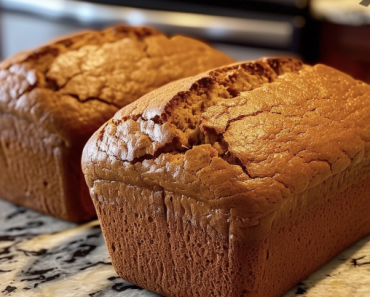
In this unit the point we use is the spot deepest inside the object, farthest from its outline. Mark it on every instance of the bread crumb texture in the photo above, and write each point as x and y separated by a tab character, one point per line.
239	140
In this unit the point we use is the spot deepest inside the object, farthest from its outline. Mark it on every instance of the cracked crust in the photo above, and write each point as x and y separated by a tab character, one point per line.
101	71
68	89
242	138
240	181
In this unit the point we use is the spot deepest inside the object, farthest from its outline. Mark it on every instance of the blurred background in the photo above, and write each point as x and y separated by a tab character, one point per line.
334	32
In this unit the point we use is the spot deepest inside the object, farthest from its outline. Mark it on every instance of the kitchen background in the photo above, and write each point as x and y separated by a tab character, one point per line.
43	256
334	32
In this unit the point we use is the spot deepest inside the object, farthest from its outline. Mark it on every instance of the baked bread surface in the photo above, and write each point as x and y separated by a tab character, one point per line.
237	182
53	98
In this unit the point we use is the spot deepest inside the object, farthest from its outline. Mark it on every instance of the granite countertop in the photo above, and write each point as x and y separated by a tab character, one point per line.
43	256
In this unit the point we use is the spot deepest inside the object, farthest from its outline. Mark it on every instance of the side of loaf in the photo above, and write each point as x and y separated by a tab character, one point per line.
240	181
54	98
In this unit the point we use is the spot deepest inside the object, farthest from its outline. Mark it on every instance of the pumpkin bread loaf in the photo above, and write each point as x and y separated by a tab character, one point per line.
240	181
53	98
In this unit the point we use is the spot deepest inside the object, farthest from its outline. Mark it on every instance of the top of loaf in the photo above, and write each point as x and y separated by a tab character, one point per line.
72	85
240	138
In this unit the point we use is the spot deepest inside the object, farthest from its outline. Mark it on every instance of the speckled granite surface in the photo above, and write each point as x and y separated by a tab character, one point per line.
43	256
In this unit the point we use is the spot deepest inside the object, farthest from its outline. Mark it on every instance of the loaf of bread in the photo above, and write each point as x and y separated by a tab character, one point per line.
237	182
52	100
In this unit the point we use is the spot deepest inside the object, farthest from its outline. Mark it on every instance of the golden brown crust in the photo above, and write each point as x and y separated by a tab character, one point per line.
104	70
156	238
68	89
240	181
75	41
273	137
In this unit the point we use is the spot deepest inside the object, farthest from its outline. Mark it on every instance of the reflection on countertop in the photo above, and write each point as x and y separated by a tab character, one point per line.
43	256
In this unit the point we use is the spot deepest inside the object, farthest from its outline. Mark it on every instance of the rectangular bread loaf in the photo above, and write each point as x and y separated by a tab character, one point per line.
53	98
240	181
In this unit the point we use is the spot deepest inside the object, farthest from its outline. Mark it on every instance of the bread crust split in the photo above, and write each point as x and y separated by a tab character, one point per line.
240	181
55	97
